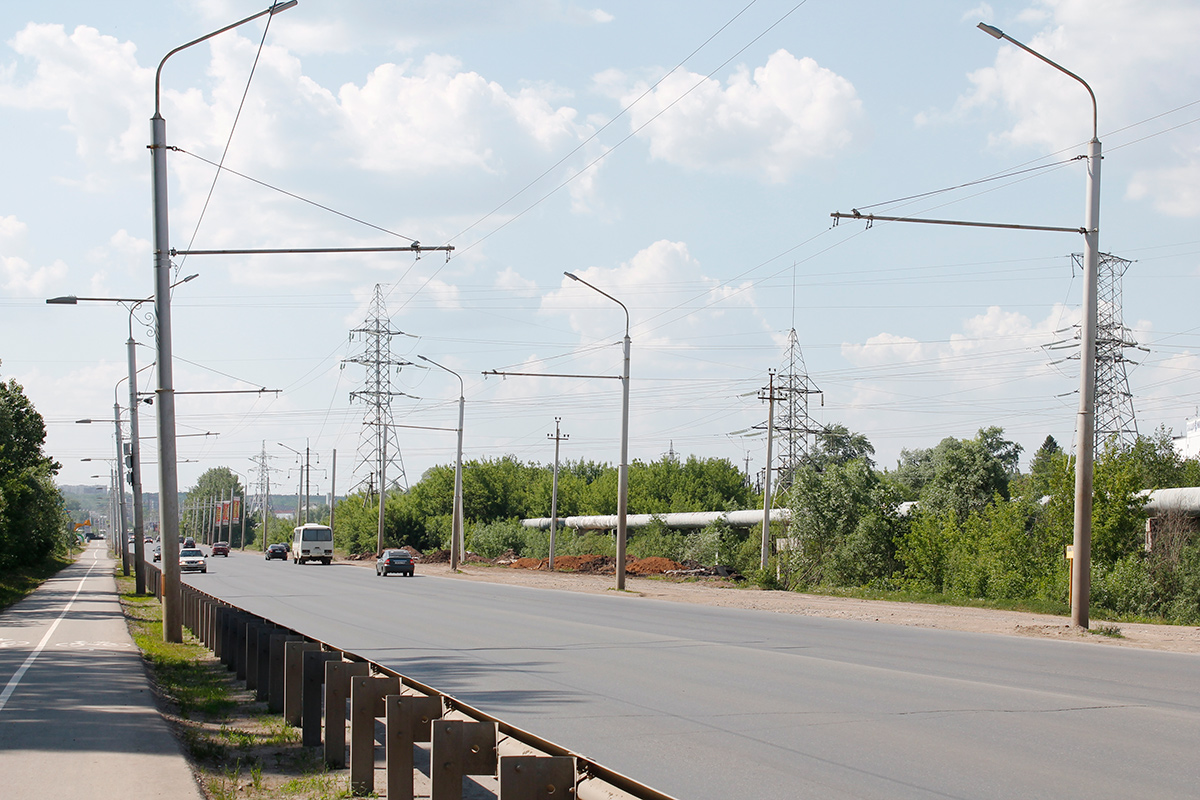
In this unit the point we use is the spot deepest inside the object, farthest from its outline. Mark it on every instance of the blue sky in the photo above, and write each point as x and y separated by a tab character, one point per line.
684	157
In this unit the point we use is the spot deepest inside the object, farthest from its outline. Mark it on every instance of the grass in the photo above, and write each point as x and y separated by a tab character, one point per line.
20	582
1111	631
1031	605
239	749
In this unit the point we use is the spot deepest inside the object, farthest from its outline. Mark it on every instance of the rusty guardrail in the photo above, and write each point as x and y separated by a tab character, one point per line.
311	682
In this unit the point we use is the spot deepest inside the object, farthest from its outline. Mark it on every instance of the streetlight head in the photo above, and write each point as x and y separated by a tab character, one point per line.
84	421
195	275
994	32
571	276
66	300
275	9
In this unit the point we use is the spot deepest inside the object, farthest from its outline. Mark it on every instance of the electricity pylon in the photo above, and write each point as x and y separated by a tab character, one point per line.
380	463
795	428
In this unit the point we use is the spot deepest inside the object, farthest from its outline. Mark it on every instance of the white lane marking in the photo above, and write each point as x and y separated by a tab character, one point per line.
81	645
12	642
20	673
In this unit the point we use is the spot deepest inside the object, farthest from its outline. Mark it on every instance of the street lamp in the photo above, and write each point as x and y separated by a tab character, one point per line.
456	530
1081	562
623	470
168	473
135	460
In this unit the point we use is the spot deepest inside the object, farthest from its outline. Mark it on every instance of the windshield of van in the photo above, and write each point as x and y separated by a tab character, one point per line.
318	535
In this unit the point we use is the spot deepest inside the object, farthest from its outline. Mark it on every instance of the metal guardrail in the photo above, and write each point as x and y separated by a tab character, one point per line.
272	659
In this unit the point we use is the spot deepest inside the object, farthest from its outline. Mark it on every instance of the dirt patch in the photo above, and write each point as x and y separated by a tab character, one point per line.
652	566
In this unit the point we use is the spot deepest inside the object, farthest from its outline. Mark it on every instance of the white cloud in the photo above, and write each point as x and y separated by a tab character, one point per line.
771	122
1137	57
94	78
433	117
1174	191
982	13
17	276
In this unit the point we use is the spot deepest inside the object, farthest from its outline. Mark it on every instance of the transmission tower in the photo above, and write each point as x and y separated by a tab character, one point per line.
1115	420
261	499
379	447
793	425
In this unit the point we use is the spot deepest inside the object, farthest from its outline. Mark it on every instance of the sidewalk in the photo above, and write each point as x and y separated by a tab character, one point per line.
77	717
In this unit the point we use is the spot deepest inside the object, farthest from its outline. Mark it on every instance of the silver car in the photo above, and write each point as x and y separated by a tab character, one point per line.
191	559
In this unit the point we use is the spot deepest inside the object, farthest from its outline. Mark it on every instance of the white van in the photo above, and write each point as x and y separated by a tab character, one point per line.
312	542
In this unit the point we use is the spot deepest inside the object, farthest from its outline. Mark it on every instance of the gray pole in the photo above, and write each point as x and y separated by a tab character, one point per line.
456	530
766	524
121	489
1081	563
554	494
383	491
307	481
623	477
168	474
266	506
623	470
332	488
135	468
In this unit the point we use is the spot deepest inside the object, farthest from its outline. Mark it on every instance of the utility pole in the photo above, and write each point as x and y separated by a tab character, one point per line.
121	491
766	523
558	438
332	488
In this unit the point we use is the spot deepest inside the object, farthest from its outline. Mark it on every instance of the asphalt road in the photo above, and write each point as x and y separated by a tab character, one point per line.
704	702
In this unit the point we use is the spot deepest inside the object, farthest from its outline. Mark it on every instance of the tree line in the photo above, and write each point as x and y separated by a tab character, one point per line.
34	523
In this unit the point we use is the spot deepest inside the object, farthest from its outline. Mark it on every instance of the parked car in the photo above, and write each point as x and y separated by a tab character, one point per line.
279	551
220	549
394	561
191	559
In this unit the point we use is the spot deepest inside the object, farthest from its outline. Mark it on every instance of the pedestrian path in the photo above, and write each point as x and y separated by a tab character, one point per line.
77	716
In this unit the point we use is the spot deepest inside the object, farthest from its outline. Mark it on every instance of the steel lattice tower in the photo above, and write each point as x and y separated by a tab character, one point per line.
379	447
261	499
793	425
1115	420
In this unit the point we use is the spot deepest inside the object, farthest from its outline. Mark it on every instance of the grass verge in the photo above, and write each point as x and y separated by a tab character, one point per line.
236	747
16	584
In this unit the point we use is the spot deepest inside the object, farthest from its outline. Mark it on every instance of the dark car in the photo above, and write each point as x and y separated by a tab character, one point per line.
279	551
157	553
220	549
394	561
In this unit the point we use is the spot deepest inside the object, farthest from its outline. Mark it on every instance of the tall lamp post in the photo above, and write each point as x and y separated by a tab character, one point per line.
1081	562
135	459
168	475
623	470
456	530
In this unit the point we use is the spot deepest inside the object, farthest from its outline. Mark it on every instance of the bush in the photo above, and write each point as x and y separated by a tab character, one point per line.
492	539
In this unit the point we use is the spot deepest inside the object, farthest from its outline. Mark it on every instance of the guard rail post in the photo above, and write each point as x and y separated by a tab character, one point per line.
275	683
536	777
293	683
312	675
366	703
337	692
460	749
408	720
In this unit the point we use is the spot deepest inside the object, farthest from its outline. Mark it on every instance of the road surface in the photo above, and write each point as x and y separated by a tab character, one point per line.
703	702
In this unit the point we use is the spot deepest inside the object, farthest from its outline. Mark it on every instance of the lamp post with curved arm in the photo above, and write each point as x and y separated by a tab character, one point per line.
1081	561
134	461
457	545
623	470
168	476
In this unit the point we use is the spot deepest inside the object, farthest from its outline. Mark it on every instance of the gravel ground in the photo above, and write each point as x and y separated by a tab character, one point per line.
1174	638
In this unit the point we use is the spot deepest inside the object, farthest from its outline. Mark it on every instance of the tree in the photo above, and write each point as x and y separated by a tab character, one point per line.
33	518
213	486
967	474
837	445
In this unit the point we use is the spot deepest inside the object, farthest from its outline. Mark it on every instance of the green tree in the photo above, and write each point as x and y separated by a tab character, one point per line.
33	518
212	487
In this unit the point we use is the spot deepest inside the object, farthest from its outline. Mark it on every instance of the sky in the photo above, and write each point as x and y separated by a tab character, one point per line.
684	157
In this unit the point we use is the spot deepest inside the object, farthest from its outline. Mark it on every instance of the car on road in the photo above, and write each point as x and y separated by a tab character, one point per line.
191	559
277	550
157	553
394	561
220	549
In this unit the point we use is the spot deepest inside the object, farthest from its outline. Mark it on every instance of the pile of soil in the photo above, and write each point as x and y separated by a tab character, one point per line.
655	565
436	557
585	564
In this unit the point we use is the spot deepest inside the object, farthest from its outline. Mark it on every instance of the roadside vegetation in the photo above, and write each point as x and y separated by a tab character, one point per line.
957	523
236	746
36	533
